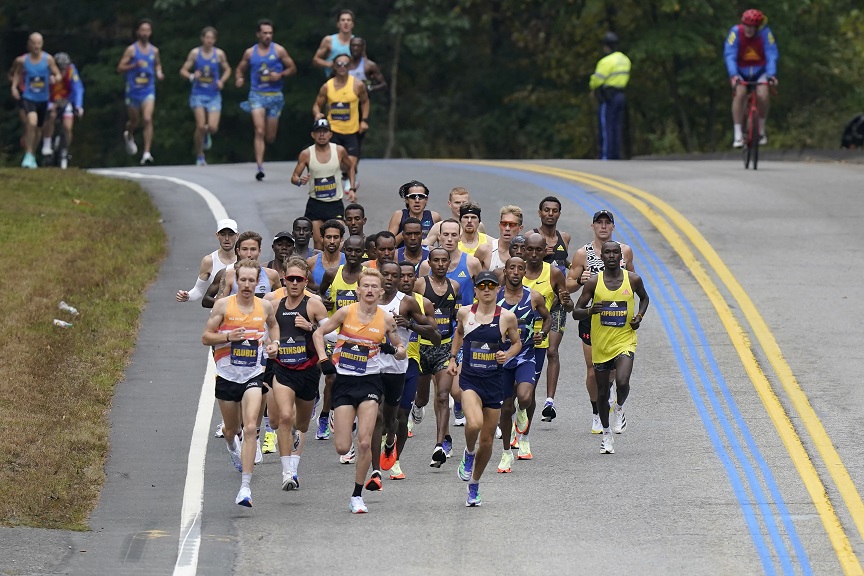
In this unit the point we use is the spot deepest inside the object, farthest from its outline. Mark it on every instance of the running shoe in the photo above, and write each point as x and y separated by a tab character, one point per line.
410	428
396	472
439	457
46	149
296	444
506	462
356	505
417	413
374	483
259	175
514	438
498	433
738	142
64	162
466	466
606	444
473	495
619	422
596	425
29	161
350	457
208	141
448	445
323	432
458	414
244	497
290	481
521	421
200	161
388	456
259	457
524	452
763	139
219	433
269	444
235	457
548	413
131	147
146	159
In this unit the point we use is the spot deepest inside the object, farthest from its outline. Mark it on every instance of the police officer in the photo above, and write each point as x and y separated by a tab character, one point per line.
607	84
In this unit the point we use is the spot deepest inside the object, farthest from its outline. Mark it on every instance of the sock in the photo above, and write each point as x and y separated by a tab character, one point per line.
550	400
471	452
46	142
267	427
358	490
286	464
738	133
245	480
294	463
594	409
260	167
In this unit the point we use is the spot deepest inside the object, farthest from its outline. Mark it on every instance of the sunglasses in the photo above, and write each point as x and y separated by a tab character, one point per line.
486	286
508	224
341	64
416	196
296	279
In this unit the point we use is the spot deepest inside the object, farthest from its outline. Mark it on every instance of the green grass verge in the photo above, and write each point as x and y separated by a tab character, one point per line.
97	244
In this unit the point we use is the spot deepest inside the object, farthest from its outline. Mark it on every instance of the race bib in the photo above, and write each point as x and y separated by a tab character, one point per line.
324	187
353	358
614	314
483	355
345	298
444	321
244	353
292	351
37	84
340	111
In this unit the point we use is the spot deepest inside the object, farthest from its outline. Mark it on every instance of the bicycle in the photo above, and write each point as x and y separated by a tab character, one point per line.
752	133
59	148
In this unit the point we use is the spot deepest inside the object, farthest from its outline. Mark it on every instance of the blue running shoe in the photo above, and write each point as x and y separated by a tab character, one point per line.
473	495
323	430
466	467
208	141
458	414
448	445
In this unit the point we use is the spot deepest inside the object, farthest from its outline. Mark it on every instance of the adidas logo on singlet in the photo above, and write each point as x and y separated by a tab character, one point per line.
289	340
349	293
484	347
437	311
355	348
625	292
449	297
461	275
613	305
245	343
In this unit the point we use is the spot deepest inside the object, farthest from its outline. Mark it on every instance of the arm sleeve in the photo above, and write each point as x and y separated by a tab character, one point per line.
199	290
77	89
771	52
730	52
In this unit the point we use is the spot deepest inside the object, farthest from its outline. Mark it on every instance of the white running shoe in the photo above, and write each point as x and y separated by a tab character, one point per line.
738	142
356	505
146	159
606	444
131	147
763	139
498	432
417	413
349	458
46	149
64	163
235	457
619	423
596	425
244	497
219	433
289	481
259	456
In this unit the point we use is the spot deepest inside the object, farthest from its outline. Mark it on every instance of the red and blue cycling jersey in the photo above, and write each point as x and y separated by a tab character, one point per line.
69	88
749	58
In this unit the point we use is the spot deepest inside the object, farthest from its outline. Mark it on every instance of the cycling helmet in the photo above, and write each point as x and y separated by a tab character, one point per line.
752	17
63	60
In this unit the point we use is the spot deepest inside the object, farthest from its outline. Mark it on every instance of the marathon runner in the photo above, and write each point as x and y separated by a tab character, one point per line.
416	197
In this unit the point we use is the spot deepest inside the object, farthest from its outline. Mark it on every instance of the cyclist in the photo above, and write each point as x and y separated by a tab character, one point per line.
751	56
67	98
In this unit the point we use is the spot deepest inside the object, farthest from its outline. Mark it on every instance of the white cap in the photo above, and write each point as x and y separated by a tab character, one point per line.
226	223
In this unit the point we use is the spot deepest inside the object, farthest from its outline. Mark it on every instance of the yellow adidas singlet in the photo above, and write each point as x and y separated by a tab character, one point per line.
611	334
481	239
543	285
343	113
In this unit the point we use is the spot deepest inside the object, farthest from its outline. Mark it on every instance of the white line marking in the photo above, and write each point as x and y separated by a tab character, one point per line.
193	492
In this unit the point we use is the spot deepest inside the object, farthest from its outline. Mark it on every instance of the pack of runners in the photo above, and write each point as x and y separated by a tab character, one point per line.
429	305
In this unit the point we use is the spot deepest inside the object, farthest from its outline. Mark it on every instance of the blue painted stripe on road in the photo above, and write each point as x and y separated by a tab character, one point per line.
580	197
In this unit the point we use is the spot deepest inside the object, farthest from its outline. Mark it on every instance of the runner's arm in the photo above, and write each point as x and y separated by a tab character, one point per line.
639	289
365	106
158	64
421	323
373	72
627	254
432	236
212	293
393	225
271	347
456	341
323	50
287	62
240	72
581	311
55	71
186	70
201	283
15	78
560	287
320	103
329	325
576	276
212	336
395	341
298	178
324	288
346	165
127	62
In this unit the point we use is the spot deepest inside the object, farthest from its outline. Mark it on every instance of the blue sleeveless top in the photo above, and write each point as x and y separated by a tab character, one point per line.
525	316
479	348
262	288
36	79
208	84
140	80
400	255
336	49
319	270
426	221
266	71
466	282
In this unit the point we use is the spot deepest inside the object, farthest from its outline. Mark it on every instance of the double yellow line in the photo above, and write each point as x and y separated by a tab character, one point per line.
651	207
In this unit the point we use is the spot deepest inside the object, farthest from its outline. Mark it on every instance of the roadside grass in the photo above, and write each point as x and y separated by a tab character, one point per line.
96	243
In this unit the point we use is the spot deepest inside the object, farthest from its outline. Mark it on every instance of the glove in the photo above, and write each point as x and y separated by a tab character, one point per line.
734	81
387	348
327	367
772	80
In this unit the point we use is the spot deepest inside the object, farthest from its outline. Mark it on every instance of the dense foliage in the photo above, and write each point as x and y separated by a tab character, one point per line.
474	78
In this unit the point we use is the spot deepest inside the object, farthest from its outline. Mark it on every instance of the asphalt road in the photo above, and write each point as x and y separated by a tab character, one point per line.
701	483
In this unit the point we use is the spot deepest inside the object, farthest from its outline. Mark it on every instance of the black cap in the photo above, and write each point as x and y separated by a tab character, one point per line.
486	276
610	39
321	124
284	234
600	213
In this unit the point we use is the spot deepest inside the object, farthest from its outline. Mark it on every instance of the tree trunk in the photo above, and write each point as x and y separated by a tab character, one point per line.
391	115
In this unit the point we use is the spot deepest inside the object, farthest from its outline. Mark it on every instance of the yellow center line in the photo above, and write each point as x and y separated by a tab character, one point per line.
782	423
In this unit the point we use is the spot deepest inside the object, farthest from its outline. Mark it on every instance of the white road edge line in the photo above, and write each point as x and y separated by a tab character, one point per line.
193	492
